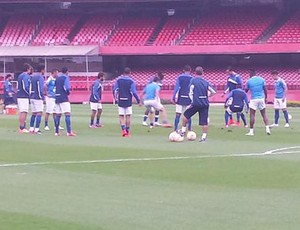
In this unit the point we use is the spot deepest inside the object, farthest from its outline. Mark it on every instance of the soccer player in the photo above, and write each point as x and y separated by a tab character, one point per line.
232	81
198	93
123	90
8	91
95	101
37	99
160	75
236	102
62	86
152	100
280	99
181	95
257	87
50	98
23	97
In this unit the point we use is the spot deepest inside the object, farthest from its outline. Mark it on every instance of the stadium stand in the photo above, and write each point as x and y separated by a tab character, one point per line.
227	26
289	32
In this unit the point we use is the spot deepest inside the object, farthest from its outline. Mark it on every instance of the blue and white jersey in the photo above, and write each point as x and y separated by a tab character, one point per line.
232	81
150	91
238	98
280	88
8	89
96	93
37	86
23	85
256	85
123	90
198	94
181	90
62	86
50	83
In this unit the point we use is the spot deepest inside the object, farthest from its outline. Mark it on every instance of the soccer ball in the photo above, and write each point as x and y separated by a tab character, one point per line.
290	116
174	136
180	139
191	136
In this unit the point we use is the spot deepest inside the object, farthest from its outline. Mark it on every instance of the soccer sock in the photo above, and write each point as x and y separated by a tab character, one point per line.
46	123
32	120
127	129
243	118
267	129
190	124
57	123
230	116
38	121
204	135
98	121
68	123
251	131
22	127
156	116
176	122
227	115
238	116
276	116
123	127
183	129
145	118
286	116
92	121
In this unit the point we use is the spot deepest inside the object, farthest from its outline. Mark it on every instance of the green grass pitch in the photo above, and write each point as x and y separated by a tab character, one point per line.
211	189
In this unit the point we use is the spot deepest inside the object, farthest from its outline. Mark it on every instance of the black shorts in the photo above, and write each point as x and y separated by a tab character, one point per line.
9	101
236	109
201	110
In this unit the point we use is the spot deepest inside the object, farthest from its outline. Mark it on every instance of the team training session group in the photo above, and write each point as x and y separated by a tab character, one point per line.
191	96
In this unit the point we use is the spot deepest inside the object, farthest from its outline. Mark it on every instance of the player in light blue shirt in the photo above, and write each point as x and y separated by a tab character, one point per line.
280	99
257	87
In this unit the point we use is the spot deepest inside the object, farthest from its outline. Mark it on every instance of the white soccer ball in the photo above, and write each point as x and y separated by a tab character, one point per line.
290	116
174	136
191	136
180	139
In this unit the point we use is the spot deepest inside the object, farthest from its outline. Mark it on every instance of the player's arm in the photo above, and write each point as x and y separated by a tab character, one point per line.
246	102
26	84
67	85
265	92
227	98
226	89
115	91
41	87
176	89
95	91
285	88
212	90
134	92
247	87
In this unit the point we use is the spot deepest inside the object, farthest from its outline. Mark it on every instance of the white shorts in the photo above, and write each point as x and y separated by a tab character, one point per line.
23	105
36	105
125	111
180	108
153	104
279	104
95	106
257	104
64	107
50	105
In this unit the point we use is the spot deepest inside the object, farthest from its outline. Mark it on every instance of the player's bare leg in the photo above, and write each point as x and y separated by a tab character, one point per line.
98	123
164	118
127	122
47	115
22	123
123	125
146	114
252	121
266	120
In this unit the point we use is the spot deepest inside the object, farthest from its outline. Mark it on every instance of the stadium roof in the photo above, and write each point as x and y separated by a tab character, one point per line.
49	51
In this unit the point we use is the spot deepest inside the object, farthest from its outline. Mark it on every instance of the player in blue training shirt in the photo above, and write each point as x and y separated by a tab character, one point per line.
23	97
123	90
95	101
152	101
199	89
257	87
160	75
280	99
181	95
37	99
236	102
62	104
8	91
232	81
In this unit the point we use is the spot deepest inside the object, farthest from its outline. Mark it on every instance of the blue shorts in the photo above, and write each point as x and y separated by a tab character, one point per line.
201	110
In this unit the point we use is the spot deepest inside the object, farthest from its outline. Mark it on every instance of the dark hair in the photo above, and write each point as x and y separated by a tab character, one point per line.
26	67
40	68
161	75
64	69
156	79
199	70
229	68
127	70
274	72
100	75
238	85
187	68
8	75
252	72
54	70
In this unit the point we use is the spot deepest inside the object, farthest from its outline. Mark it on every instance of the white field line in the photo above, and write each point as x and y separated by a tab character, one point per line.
271	152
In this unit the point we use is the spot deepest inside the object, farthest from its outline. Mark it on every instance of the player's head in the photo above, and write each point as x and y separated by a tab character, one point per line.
64	70
229	70
127	71
156	79
41	69
252	72
160	75
27	68
100	76
199	71
274	74
238	86
187	69
8	77
54	72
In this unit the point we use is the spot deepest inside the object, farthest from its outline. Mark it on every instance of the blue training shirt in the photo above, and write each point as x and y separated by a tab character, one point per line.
150	91
8	88
239	98
23	85
62	86
36	87
181	90
232	81
96	93
256	86
280	88
50	83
